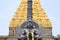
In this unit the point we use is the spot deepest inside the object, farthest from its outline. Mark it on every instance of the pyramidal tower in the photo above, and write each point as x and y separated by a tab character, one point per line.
38	14
27	10
30	19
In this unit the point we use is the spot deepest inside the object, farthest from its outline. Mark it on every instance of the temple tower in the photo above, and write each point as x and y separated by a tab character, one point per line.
38	15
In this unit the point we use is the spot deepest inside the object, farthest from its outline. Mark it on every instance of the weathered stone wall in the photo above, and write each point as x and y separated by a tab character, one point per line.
3	37
12	35
48	34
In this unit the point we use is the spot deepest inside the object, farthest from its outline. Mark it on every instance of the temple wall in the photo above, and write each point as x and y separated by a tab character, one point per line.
12	36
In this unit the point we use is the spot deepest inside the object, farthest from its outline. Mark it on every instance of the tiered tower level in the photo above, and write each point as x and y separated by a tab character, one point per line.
38	14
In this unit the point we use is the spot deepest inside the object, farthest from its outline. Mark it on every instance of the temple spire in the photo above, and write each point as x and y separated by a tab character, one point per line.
36	13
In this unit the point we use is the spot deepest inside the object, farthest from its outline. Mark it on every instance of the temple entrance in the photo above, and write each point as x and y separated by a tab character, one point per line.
30	36
29	30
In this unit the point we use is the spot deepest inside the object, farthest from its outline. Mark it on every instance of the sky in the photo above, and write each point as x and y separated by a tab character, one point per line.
8	8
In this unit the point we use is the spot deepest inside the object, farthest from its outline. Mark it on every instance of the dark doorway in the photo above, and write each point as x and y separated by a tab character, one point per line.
30	36
40	39
19	39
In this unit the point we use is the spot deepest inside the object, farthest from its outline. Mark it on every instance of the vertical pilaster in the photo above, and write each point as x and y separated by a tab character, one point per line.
29	10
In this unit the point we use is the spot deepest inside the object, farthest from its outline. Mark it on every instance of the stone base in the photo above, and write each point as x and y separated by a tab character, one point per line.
12	36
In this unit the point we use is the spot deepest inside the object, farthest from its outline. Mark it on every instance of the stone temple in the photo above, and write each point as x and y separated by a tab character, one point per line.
30	22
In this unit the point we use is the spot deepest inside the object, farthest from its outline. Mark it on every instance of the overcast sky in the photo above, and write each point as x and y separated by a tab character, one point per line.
8	7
